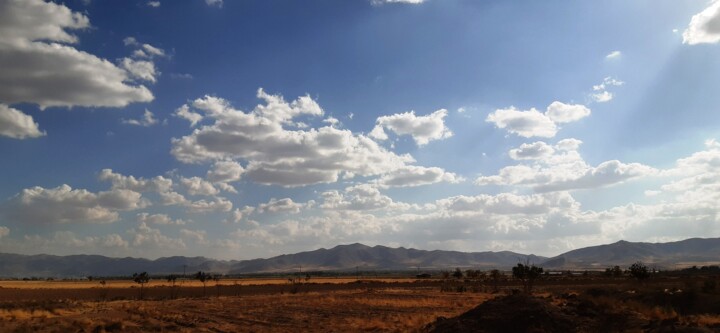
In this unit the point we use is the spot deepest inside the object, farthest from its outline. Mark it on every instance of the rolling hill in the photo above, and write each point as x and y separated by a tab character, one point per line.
695	251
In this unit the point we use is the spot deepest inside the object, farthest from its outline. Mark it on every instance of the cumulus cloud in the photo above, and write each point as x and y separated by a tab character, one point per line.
423	129
154	4
198	236
148	237
216	204
69	241
523	123
17	125
140	69
533	123
561	168
185	113
280	156
360	197
158	184
147	120
198	186
40	66
238	214
162	219
411	175
225	172
704	27
562	113
285	205
63	204
532	151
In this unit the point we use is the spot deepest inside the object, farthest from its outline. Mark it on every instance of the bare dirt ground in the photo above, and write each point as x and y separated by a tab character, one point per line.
392	305
321	307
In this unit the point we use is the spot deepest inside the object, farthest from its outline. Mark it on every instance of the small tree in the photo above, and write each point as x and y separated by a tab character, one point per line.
141	279
172	278
495	276
216	278
458	274
103	290
527	274
614	271
202	277
639	271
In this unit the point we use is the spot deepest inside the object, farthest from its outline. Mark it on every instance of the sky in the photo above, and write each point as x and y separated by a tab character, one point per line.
244	129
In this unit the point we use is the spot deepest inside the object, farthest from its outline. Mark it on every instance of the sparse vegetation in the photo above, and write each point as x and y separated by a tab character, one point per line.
639	271
666	302
202	277
141	279
527	273
172	278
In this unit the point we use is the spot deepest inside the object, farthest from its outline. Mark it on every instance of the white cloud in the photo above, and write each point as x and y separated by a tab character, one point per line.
69	241
285	205
162	219
225	172
130	41
198	186
158	184
154	4
562	170
423	129
40	67
600	93
523	123
613	55
704	27
152	238
4	231
153	51
140	69
562	113
226	187
361	197
532	151
217	204
238	214
279	156
217	3
198	236
185	113
62	204
171	198
17	125
382	2
146	121
411	175
533	123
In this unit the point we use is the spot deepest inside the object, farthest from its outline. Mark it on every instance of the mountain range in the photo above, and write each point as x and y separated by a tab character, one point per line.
694	251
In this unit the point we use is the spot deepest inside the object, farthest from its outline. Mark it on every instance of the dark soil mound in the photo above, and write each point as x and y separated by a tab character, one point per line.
514	313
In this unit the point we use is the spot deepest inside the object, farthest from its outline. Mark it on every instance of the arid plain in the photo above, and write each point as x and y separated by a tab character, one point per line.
591	303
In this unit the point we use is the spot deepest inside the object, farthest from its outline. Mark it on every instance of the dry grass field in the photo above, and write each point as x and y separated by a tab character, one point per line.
316	307
347	305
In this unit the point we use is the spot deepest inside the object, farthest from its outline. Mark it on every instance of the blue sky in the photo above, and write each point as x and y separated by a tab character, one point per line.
243	129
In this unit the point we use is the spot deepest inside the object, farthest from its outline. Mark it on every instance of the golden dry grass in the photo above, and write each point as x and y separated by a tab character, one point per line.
181	282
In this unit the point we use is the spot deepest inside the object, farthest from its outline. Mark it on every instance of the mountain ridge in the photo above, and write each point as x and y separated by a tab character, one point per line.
349	257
